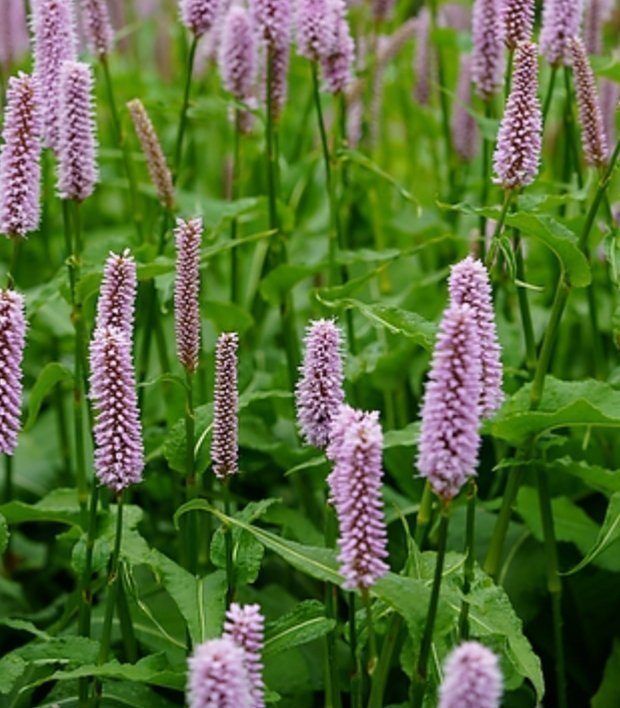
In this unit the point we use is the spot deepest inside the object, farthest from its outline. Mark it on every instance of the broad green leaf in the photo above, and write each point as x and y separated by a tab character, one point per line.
594	476
608	534
307	621
51	375
59	505
606	66
564	404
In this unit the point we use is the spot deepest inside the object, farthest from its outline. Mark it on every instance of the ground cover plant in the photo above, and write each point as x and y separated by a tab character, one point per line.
309	330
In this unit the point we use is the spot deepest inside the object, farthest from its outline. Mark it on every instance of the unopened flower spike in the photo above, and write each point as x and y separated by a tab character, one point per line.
12	343
224	444
188	235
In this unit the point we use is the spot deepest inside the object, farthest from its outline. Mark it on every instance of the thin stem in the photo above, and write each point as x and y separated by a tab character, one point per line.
420	675
524	305
234	192
379	678
356	675
73	245
10	276
484	188
124	618
333	238
86	599
468	574
228	546
106	632
372	641
271	150
178	150
554	583
549	96
190	535
8	478
423	518
508	195
569	127
332	689
136	213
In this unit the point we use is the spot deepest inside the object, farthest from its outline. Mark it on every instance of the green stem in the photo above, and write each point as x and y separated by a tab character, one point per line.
484	188
554	583
73	246
468	575
420	675
10	276
372	641
356	675
8	478
333	240
549	96
234	192
499	226
190	536
86	599
136	213
332	689
524	306
569	126
124	618
271	152
379	678
228	546
424	514
178	150
106	632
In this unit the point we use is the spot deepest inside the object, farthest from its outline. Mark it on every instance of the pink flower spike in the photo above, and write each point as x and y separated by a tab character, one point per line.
224	443
20	168
518	21
470	285
12	343
337	61
355	490
218	677
14	40
237	54
187	292
449	437
99	30
54	43
472	678
246	627
199	16
560	23
117	297
319	392
488	50
465	135
119	453
77	142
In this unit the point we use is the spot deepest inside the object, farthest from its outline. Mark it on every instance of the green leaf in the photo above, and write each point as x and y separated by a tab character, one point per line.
608	693
60	506
594	476
52	374
564	404
558	238
394	319
304	623
227	316
608	534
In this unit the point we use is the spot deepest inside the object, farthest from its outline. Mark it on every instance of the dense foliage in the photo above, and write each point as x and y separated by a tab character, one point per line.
349	199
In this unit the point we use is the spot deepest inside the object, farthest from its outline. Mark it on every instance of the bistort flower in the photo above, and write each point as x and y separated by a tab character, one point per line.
117	296
488	50
472	678
12	343
355	490
77	142
224	444
517	154
99	30
449	437
470	285
560	23
187	292
319	393
218	677
20	167
246	627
